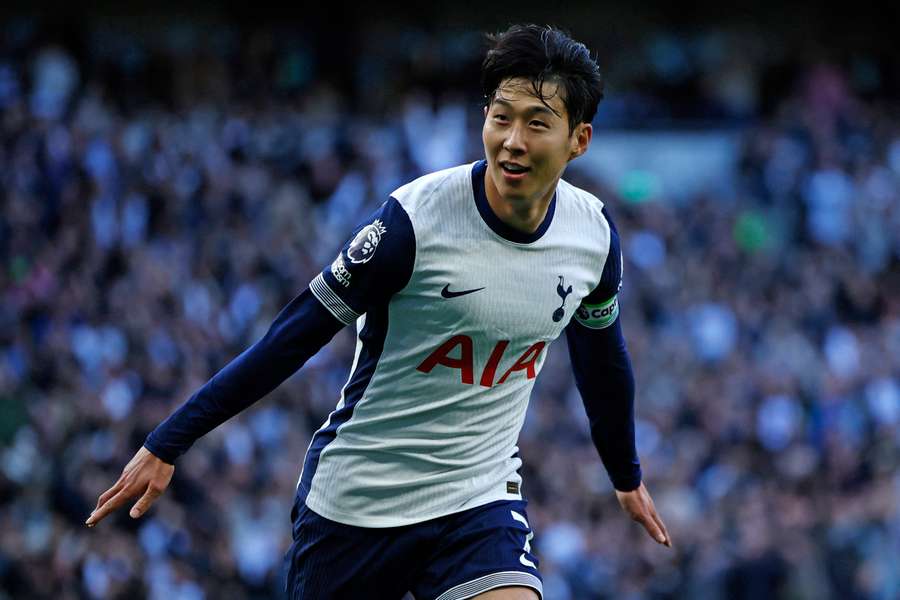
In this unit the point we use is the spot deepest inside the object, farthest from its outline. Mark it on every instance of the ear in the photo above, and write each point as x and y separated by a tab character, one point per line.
485	111
580	140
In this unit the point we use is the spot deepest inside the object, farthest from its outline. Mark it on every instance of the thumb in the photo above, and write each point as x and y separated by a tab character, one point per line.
141	506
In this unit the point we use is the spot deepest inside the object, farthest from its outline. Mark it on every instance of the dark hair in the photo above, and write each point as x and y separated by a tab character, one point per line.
544	54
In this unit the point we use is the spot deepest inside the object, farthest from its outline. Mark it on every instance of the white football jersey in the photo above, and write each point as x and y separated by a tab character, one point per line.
454	313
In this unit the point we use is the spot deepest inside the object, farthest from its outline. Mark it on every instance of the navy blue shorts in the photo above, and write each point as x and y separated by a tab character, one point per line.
449	558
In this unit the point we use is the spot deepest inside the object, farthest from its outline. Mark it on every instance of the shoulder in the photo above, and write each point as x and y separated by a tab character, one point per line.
375	262
389	227
586	204
587	215
600	308
452	182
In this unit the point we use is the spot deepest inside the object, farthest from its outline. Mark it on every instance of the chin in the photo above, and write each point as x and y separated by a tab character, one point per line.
514	194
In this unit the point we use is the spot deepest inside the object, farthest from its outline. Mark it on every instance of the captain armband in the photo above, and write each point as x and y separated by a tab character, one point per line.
598	316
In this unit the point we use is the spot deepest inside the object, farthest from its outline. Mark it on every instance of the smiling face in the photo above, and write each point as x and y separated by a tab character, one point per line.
528	143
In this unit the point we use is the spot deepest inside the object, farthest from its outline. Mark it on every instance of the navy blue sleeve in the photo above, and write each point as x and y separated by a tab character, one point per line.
603	372
375	263
611	279
298	332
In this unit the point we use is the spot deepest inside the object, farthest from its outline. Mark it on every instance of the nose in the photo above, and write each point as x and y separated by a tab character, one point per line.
515	140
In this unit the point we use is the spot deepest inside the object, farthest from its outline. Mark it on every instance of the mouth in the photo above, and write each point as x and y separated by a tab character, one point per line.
513	170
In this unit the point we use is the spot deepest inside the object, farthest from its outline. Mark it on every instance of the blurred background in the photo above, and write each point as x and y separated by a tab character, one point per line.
171	177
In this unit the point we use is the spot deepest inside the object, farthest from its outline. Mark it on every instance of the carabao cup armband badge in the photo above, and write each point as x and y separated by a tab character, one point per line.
598	316
363	246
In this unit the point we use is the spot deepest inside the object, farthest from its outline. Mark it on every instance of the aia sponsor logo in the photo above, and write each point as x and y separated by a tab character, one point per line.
457	353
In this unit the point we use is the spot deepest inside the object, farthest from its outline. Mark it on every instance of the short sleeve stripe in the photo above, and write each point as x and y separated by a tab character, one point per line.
331	301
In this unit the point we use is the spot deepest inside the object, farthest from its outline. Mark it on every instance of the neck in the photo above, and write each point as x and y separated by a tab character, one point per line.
522	214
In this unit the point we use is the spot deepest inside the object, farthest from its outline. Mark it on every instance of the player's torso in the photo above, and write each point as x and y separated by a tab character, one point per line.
438	422
471	284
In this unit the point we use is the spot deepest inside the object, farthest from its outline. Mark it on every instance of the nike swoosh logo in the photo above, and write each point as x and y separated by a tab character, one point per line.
446	293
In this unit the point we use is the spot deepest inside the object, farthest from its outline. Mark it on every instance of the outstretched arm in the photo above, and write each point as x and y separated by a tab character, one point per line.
299	331
374	264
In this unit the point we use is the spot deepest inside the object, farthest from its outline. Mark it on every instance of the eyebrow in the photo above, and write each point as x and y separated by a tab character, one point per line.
537	108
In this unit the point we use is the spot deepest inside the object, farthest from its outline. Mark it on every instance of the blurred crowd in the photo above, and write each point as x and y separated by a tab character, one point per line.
145	243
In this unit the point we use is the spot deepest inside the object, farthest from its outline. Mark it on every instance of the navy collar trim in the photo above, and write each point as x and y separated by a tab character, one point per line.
494	222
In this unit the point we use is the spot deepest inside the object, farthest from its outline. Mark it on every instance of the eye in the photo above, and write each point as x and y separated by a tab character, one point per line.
500	117
539	123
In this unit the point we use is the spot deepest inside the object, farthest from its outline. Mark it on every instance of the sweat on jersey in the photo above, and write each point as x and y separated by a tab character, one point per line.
454	312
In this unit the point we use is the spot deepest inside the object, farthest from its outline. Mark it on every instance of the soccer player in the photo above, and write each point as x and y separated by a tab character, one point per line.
456	284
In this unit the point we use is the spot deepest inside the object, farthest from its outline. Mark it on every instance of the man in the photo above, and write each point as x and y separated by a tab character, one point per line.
456	284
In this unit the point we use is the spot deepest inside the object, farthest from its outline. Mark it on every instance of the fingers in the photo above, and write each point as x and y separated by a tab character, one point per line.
144	474
639	504
146	500
110	505
108	494
662	527
652	528
118	495
651	509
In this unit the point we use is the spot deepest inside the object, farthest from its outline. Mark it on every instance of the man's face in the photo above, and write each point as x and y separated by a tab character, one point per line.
520	131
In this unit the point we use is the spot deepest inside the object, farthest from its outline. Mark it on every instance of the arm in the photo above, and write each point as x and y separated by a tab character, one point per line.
605	380
374	264
298	332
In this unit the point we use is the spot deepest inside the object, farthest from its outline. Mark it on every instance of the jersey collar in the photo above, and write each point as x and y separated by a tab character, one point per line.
494	222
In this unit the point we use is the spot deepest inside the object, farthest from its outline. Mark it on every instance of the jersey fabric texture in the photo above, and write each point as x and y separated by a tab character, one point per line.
452	557
454	312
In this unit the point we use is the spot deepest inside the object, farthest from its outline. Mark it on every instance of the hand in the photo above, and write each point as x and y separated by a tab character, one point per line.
639	506
144	474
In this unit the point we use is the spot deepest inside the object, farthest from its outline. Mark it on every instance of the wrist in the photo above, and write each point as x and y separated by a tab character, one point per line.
156	451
